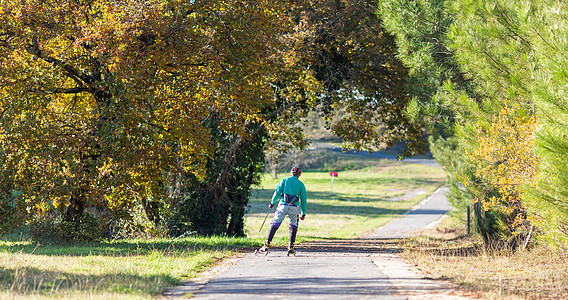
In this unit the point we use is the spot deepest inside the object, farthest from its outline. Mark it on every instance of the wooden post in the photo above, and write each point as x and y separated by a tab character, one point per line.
468	220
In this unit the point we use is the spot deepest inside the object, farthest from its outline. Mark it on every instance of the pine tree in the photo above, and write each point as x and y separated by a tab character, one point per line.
443	95
467	60
545	24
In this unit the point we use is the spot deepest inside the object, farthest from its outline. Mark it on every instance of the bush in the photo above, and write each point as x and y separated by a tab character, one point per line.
504	164
51	227
12	211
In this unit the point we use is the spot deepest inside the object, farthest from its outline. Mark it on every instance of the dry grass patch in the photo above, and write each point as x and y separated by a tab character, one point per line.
536	273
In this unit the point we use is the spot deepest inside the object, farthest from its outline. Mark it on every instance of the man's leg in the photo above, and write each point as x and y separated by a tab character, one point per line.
293	215
292	239
270	235
279	215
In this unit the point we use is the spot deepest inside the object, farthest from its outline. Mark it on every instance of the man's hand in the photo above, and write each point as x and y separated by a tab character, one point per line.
270	206
302	217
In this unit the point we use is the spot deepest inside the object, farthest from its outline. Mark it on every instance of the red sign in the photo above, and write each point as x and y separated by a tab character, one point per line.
333	174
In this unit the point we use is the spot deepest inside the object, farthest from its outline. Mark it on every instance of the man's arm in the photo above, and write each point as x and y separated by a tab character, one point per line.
303	201
277	192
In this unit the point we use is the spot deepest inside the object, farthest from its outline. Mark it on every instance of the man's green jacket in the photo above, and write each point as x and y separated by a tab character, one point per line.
291	186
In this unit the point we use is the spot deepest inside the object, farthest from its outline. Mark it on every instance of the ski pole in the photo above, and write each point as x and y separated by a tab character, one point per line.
264	220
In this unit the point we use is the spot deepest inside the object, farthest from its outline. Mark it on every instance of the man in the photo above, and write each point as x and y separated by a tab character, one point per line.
289	192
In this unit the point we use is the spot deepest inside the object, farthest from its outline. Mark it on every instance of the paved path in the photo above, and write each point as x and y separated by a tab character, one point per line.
425	214
309	275
367	268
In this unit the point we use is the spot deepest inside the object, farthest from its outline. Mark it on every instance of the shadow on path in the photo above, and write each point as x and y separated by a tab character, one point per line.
324	269
351	246
300	286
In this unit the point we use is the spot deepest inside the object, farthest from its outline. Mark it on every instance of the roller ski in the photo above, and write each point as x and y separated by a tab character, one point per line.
291	251
263	250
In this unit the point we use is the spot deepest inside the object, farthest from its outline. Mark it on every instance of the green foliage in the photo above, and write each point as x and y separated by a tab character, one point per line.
500	53
467	59
447	154
511	48
12	211
193	215
420	28
442	95
546	25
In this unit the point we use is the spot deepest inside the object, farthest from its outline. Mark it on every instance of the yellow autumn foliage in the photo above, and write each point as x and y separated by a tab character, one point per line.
505	162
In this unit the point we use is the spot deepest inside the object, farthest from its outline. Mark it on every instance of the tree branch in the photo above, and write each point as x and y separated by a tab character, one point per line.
77	76
237	149
74	90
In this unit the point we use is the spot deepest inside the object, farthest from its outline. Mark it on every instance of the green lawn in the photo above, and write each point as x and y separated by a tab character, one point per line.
358	204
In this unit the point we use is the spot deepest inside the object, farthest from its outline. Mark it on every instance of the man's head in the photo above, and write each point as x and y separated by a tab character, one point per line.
296	172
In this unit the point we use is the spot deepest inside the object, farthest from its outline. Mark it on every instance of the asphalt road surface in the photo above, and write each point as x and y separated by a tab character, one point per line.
426	214
365	268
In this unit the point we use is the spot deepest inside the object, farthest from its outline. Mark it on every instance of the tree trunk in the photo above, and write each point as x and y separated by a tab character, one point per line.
76	208
235	152
152	210
236	226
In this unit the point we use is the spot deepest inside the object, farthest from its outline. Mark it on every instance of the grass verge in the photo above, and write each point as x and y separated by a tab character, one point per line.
127	269
448	253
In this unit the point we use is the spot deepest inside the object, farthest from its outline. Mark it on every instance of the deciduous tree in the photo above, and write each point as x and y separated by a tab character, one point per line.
102	99
354	59
109	104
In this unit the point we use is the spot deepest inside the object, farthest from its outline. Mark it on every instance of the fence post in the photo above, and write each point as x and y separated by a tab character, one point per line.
468	220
